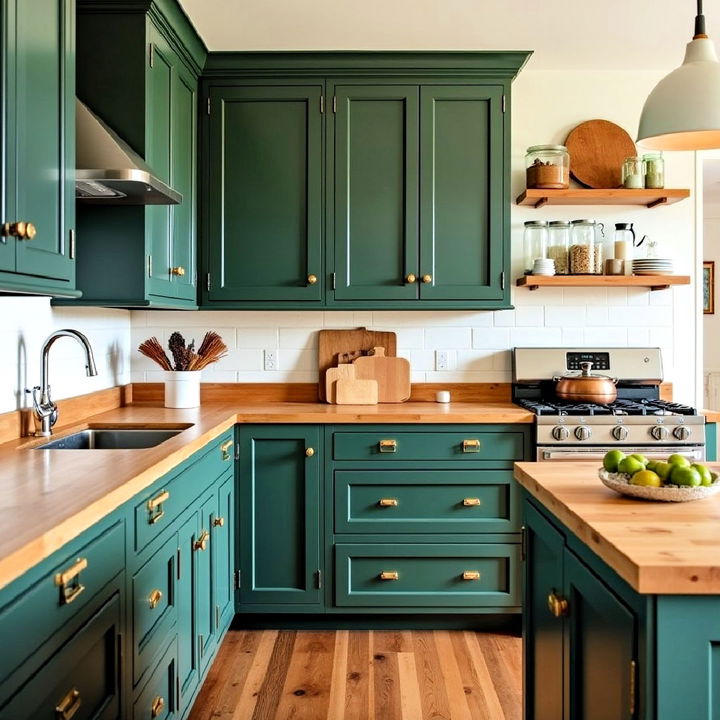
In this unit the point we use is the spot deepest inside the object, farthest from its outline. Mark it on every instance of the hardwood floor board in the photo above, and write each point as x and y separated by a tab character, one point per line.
392	641
386	680
476	702
485	679
359	699
455	690
433	698
507	684
409	688
276	673
339	681
244	707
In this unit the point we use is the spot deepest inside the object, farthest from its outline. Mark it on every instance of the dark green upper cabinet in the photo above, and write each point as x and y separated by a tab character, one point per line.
138	69
394	166
264	194
38	146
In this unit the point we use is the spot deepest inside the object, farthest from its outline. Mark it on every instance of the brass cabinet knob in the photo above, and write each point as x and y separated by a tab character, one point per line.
218	522
410	278
202	541
471	575
22	230
388	502
154	598
179	271
309	452
312	279
69	705
157	706
427	279
389	575
557	605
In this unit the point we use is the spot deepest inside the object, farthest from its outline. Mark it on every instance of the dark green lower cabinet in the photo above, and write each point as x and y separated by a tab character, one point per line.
223	549
188	666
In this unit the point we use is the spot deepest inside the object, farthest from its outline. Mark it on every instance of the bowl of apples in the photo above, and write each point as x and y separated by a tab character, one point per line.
674	480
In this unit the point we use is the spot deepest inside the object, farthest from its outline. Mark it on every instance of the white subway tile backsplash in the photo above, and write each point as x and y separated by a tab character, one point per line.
535	337
446	338
597	315
251	337
609	336
632	317
637	296
573	337
490	337
475	360
563	316
530	316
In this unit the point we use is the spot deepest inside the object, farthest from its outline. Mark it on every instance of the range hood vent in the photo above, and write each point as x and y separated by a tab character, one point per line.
109	172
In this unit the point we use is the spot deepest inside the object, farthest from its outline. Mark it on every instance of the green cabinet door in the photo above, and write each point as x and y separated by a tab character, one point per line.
279	516
542	631
599	648
188	661
223	542
264	194
40	160
375	184
204	608
462	192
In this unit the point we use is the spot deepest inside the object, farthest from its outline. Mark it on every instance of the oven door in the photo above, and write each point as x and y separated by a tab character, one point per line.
694	453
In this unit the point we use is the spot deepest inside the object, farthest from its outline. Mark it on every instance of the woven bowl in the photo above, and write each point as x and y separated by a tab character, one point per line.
620	483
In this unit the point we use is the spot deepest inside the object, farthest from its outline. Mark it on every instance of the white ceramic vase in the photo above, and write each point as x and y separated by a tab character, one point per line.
182	389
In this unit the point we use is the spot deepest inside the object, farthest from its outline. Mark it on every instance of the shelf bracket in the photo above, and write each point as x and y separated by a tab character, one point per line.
541	201
659	201
659	287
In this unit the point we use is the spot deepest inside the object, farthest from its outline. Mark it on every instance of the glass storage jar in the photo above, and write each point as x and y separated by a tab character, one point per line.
633	175
654	170
558	248
586	249
548	167
534	243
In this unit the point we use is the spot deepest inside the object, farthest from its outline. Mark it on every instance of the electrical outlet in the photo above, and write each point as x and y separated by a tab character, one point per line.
442	362
270	359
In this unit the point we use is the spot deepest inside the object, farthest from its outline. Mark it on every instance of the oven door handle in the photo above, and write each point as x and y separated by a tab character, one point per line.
696	454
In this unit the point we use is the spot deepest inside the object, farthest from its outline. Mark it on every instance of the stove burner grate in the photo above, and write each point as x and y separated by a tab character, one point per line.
619	407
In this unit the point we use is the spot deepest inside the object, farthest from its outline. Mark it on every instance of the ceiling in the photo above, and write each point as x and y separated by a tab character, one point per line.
601	34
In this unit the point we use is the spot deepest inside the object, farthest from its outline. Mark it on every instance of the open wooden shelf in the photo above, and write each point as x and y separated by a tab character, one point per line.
610	196
654	282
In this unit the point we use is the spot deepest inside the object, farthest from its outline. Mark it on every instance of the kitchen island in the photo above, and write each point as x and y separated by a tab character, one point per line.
621	600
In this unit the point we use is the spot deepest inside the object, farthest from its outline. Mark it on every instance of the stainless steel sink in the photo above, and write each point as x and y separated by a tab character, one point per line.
111	439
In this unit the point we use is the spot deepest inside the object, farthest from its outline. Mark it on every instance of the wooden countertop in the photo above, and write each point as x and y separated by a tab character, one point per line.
658	548
49	497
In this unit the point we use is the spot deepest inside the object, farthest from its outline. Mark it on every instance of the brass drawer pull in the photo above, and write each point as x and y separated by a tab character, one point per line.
225	449
471	575
471	446
154	506
202	541
557	605
179	271
311	279
155	598
309	452
158	705
388	446
64	580
69	705
218	522
389	575
471	502
388	502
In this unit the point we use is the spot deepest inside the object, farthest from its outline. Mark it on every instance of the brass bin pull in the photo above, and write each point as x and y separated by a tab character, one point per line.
158	705
64	580
471	446
389	575
154	506
471	502
154	598
218	522
202	541
388	446
388	502
557	605
225	449
471	575
69	705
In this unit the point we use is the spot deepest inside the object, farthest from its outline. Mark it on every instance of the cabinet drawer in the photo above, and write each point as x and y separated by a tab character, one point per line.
81	679
159	508
158	700
466	445
64	590
425	501
154	605
427	575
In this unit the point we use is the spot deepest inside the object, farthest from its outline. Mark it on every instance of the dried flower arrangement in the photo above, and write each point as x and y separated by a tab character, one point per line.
211	349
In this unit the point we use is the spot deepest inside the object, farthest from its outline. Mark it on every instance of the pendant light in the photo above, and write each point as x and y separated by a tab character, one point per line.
683	111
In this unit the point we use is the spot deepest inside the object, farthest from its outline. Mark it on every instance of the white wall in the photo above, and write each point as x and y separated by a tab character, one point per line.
546	105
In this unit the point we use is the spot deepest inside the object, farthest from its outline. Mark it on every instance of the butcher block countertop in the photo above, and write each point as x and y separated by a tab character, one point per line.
658	548
48	497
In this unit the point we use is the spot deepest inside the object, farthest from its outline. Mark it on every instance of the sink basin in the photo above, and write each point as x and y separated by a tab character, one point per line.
111	439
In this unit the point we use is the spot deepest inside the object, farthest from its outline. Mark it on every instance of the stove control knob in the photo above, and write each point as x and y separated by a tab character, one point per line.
582	432
619	432
560	433
659	432
681	432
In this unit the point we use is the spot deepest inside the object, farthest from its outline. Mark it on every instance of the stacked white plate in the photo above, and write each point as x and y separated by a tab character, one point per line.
544	266
653	266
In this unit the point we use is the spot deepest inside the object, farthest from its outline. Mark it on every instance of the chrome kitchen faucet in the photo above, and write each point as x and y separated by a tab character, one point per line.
46	411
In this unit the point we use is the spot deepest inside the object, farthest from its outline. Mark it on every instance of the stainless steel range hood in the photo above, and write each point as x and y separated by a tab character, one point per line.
109	172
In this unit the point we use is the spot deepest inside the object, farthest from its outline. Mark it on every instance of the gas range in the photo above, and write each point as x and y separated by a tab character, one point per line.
638	421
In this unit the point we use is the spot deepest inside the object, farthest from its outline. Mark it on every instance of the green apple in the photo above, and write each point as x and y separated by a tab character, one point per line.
641	458
705	476
630	465
685	475
678	460
663	469
611	460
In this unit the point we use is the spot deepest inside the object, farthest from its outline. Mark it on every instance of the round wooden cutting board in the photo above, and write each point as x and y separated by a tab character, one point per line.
597	150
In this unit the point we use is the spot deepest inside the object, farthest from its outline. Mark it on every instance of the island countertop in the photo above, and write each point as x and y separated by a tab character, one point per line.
658	548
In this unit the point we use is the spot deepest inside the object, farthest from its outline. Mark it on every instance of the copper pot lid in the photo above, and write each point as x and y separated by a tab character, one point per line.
585	374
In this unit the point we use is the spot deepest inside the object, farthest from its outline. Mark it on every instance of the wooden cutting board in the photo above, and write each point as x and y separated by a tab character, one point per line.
356	392
333	342
333	376
597	150
392	375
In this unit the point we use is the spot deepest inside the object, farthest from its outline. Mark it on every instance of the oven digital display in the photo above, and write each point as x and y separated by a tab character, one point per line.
599	360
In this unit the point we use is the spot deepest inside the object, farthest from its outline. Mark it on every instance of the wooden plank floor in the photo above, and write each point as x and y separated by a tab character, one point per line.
363	675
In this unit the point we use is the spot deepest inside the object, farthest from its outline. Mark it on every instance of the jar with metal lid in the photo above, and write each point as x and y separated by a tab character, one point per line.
654	170
548	167
558	248
586	248
534	243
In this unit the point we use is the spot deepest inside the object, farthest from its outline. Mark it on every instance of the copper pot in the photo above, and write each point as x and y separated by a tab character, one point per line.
586	387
